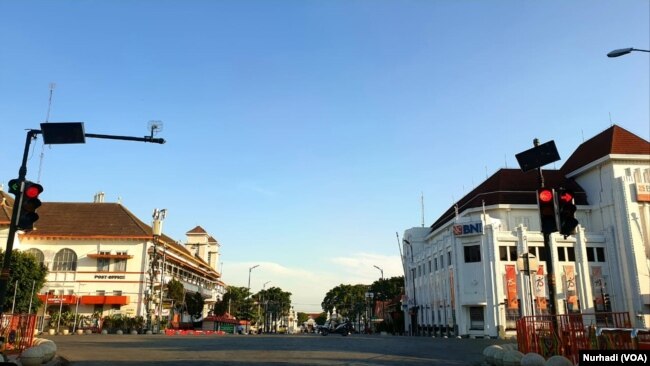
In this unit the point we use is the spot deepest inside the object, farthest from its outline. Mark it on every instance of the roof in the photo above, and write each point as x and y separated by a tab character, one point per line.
614	140
196	230
88	220
511	186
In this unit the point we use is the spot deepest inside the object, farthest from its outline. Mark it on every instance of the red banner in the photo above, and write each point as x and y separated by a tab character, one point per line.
540	288
511	287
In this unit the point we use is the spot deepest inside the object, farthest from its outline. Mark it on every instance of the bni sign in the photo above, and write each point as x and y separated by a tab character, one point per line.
468	229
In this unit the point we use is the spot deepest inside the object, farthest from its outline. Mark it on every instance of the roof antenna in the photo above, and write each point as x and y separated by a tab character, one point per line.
47	119
422	202
610	119
154	127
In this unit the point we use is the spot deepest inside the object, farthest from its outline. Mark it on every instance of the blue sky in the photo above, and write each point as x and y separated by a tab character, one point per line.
301	134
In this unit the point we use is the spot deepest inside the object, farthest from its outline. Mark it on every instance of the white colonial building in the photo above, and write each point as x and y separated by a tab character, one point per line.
461	272
99	257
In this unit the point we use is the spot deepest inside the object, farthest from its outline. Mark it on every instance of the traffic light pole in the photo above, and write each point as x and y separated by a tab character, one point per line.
6	266
22	173
550	276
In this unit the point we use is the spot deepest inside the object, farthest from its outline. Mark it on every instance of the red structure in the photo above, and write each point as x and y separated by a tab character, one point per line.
565	335
18	331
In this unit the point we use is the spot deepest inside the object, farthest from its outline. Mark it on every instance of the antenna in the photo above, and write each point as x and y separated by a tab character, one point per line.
610	119
47	119
422	202
154	127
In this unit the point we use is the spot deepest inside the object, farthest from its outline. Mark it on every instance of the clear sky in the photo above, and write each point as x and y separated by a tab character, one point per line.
302	134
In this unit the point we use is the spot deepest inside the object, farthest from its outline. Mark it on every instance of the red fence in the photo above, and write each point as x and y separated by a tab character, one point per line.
566	334
18	331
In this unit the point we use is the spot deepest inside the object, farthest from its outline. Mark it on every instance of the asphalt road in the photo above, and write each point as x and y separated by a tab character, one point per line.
312	349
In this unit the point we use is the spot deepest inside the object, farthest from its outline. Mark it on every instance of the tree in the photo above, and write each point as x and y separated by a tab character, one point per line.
235	301
349	300
30	274
387	289
302	318
194	302
273	304
176	292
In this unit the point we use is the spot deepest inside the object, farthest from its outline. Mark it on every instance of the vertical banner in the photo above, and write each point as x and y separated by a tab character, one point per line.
540	288
511	287
451	287
570	283
598	286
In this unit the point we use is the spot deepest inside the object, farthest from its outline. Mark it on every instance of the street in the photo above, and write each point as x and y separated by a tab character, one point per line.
312	349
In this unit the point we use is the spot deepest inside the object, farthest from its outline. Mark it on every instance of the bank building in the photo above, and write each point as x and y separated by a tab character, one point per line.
461	273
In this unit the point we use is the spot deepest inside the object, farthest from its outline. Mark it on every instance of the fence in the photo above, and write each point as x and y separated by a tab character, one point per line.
565	335
18	332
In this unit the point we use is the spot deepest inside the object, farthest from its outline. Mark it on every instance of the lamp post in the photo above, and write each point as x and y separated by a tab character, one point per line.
249	288
384	294
258	308
624	51
158	217
414	317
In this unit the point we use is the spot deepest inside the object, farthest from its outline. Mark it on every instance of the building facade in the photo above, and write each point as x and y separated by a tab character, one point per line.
100	259
462	275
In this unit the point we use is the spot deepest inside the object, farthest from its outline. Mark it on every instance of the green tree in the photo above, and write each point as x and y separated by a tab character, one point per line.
387	289
29	275
237	302
194	302
176	292
273	304
321	318
349	300
302	318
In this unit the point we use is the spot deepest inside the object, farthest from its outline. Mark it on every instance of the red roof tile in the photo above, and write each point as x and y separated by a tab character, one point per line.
614	140
197	230
511	186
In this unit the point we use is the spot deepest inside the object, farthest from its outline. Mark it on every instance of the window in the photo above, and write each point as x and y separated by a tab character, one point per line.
476	320
103	264
435	264
120	265
449	258
503	253
442	261
591	255
561	254
100	293
513	253
472	253
600	253
37	254
571	254
117	292
541	254
429	265
65	260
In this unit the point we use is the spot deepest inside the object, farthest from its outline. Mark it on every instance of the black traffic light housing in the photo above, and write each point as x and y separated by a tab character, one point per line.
28	201
546	203
566	209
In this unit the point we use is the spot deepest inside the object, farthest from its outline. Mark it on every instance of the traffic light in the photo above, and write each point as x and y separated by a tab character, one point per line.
546	205
28	215
566	210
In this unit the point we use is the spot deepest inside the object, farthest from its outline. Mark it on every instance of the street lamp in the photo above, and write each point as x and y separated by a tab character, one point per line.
624	51
249	275
414	317
380	270
384	298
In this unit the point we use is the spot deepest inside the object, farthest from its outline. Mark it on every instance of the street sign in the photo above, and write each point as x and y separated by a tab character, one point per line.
538	156
63	133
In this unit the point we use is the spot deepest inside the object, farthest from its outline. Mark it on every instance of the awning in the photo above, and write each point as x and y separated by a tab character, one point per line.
107	300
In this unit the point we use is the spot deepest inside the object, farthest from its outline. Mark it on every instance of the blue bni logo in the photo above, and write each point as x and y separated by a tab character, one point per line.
468	229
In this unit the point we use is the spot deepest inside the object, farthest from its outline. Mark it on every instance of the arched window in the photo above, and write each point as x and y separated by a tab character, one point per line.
65	260
38	255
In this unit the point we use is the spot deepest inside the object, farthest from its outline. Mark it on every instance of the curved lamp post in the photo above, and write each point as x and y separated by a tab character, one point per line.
624	51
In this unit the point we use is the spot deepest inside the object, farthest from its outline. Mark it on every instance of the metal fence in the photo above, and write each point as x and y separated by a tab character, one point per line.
565	335
18	332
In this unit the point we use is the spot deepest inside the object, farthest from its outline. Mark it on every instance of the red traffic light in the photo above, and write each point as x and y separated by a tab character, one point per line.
566	197
545	195
33	191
